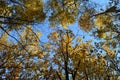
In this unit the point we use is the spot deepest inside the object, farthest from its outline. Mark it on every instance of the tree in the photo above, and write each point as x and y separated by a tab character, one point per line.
65	55
18	59
76	62
16	13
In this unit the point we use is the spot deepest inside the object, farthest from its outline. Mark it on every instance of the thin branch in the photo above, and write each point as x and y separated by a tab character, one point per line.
10	35
105	12
16	2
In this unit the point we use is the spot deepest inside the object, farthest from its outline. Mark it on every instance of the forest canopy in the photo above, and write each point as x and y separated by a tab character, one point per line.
59	40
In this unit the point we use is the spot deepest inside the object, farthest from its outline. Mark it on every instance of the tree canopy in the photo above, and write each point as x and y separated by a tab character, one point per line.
37	42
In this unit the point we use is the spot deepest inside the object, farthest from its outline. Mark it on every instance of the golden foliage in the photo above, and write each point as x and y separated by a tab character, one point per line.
84	21
64	53
63	14
103	20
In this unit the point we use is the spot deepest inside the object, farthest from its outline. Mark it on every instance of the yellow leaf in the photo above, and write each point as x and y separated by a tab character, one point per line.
102	35
65	25
38	33
48	46
79	39
55	34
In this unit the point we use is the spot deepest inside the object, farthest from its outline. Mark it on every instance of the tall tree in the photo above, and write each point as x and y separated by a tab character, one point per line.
65	55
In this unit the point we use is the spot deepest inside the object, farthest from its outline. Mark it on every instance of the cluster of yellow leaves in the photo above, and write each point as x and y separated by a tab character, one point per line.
88	62
84	21
81	51
19	56
3	40
5	9
36	5
33	11
103	20
110	52
29	34
53	36
102	34
31	39
47	47
66	18
63	14
53	3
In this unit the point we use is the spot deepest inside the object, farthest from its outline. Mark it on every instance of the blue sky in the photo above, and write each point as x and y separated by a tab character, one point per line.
45	27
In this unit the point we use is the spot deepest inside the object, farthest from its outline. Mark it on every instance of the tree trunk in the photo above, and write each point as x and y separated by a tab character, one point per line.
66	71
